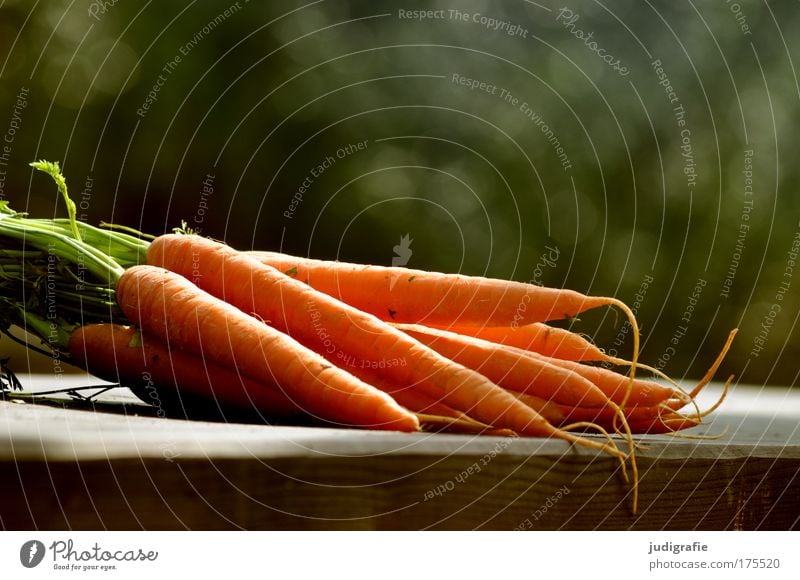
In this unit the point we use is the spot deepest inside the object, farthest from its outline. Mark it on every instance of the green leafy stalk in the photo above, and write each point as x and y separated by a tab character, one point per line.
57	274
53	169
120	228
44	237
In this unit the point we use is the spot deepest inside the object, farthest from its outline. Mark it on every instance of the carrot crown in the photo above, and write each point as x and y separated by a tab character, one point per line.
56	273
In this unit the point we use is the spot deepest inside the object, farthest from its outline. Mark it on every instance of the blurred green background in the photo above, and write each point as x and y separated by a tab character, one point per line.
641	151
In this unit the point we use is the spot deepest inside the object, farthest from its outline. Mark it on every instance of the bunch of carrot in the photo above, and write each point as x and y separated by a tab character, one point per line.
184	318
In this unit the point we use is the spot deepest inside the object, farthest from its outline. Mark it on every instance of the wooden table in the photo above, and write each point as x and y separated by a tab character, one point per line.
115	465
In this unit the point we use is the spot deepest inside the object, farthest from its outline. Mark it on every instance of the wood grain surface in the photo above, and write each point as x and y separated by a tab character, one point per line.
114	464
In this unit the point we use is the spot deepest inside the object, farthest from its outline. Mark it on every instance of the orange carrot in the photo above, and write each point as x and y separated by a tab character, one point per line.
654	419
536	337
431	298
346	334
438	414
512	369
169	306
666	425
521	364
416	401
522	371
431	412
669	420
616	386
170	379
550	341
444	424
605	417
547	409
445	300
644	393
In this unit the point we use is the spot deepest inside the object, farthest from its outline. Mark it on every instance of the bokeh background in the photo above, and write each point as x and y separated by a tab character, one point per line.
640	150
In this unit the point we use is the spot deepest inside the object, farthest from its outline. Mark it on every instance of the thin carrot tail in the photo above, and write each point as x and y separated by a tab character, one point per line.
628	436
700	414
626	427
609	448
714	367
461	425
621	362
635	356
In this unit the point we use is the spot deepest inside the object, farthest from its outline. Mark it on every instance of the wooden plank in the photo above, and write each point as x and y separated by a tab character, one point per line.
124	468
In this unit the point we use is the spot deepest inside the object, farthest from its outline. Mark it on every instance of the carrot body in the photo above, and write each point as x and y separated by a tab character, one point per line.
510	369
418	402
547	409
169	306
420	297
537	337
663	426
340	331
615	385
442	417
526	372
635	415
170	378
471	351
